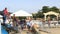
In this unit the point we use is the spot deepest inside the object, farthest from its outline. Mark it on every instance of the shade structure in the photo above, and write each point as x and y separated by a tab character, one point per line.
21	13
1	16
51	13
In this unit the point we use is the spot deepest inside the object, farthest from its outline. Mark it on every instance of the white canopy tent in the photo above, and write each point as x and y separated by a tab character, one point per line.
1	16
21	13
1	19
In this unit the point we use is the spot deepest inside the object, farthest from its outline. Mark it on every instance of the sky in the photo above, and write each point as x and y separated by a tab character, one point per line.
27	5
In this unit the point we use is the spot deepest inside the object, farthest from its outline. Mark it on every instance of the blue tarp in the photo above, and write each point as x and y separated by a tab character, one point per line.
3	31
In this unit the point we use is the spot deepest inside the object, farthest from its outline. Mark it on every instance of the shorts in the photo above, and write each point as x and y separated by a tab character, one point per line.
28	27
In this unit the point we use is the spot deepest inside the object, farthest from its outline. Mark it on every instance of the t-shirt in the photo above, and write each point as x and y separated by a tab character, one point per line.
28	23
14	18
32	22
22	22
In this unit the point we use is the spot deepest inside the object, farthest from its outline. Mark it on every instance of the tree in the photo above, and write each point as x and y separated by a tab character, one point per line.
55	9
34	15
45	9
40	15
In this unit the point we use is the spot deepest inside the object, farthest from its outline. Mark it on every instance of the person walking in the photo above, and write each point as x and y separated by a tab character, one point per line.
48	23
22	24
15	23
40	23
28	24
5	13
43	22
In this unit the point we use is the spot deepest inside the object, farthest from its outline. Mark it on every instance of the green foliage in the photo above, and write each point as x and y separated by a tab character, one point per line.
34	15
45	9
38	15
55	9
22	18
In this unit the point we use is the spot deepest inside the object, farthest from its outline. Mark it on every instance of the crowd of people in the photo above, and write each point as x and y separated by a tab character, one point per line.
29	23
13	23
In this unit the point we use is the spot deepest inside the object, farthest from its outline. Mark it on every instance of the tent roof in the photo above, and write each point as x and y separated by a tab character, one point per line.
21	13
